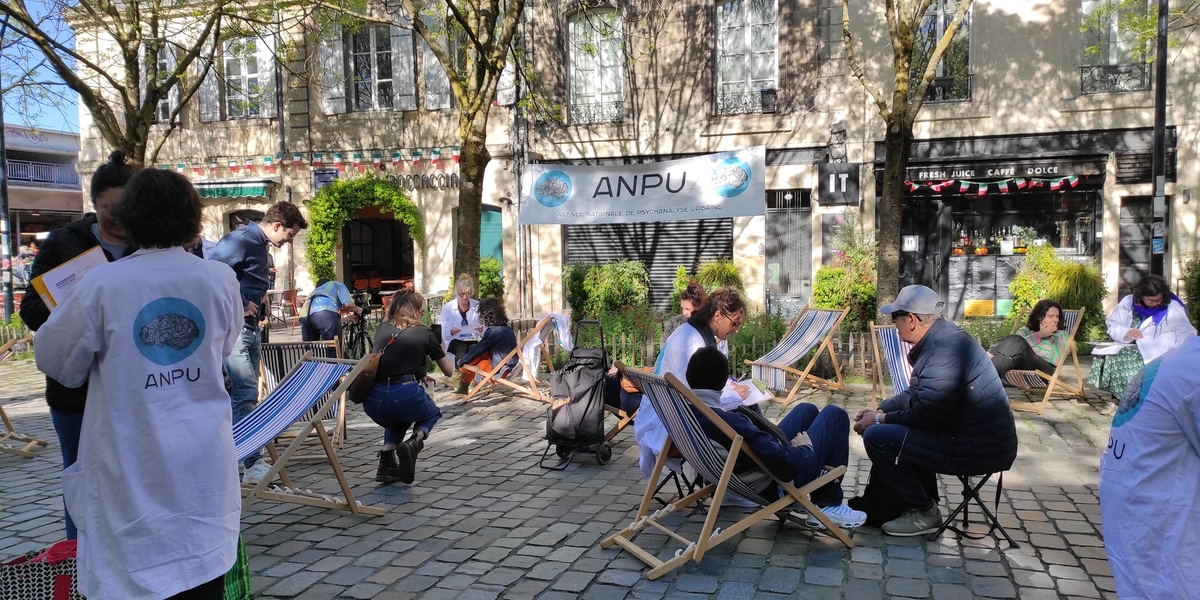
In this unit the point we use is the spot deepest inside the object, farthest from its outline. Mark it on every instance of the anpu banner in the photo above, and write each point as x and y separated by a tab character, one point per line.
725	184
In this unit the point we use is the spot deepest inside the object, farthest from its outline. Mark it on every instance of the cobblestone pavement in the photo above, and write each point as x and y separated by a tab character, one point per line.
483	520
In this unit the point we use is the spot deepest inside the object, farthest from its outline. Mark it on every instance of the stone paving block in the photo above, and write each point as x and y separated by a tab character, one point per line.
526	588
572	581
866	555
824	576
700	584
414	583
321	591
864	589
949	591
905	568
293	584
945	575
993	587
984	568
387	575
1083	589
547	570
364	591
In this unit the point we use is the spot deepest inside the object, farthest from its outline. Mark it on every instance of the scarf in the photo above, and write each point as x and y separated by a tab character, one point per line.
1157	313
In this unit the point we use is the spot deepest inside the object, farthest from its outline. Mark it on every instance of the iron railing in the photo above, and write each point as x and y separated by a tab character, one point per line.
765	101
1114	79
945	90
598	112
39	172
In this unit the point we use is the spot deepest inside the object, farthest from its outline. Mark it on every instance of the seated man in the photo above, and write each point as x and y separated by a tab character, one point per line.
817	438
954	418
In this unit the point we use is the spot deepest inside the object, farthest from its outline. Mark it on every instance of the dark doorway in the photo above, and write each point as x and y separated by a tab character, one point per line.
789	250
1135	259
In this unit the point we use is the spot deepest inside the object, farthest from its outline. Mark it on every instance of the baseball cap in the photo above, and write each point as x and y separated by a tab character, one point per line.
916	299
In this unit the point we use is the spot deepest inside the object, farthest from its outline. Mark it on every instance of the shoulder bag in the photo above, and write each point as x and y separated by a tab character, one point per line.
361	386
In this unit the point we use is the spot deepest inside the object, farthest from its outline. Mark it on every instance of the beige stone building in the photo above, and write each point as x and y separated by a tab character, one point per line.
1026	137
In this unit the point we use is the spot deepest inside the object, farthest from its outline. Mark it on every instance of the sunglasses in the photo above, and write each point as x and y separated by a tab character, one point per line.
733	323
896	316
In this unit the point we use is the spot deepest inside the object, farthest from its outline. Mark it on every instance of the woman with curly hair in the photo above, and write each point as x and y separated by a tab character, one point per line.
497	342
1035	347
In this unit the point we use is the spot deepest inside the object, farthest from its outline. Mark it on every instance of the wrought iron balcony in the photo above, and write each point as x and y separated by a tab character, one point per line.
1114	79
765	101
39	173
945	90
599	112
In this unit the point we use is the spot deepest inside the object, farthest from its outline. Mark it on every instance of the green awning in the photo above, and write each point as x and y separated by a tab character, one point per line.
233	190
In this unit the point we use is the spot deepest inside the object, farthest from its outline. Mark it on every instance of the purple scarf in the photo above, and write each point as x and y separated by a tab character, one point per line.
1157	313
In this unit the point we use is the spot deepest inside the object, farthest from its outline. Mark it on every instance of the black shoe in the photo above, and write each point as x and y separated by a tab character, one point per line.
406	455
389	468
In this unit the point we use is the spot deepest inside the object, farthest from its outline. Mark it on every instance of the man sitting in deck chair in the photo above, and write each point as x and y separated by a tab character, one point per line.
797	449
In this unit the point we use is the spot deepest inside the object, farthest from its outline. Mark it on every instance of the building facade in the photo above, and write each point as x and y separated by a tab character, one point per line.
44	189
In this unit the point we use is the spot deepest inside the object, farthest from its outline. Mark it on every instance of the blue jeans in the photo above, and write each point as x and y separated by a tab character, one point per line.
896	453
321	325
829	430
397	406
242	368
68	426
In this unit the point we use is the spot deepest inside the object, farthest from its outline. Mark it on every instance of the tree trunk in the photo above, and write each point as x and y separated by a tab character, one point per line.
897	147
473	162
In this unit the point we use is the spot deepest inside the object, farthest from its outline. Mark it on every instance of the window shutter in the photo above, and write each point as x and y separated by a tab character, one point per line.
173	93
330	55
265	55
437	83
506	88
143	82
404	75
210	91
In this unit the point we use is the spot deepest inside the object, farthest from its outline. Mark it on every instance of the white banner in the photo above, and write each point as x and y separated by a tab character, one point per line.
713	186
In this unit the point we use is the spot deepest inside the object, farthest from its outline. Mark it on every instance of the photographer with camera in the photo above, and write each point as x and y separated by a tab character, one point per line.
321	315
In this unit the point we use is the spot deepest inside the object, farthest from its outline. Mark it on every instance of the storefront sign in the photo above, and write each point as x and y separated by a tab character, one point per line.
838	183
1001	170
425	181
725	184
323	177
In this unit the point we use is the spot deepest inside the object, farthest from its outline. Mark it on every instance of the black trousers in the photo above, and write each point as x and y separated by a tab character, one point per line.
213	590
1013	352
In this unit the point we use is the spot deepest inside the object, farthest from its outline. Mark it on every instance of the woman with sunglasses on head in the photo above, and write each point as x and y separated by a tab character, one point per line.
1153	320
717	318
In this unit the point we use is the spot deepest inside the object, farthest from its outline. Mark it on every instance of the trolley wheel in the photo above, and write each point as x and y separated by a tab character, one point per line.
603	454
562	451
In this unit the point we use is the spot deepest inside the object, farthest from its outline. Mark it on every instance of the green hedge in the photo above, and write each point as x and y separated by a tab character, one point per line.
597	289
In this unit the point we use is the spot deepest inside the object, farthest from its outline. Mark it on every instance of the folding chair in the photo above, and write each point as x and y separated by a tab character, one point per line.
971	494
277	361
671	400
813	328
1052	382
10	433
519	360
891	353
313	382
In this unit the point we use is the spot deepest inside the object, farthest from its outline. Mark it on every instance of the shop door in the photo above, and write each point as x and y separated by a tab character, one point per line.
789	250
661	246
491	240
1136	217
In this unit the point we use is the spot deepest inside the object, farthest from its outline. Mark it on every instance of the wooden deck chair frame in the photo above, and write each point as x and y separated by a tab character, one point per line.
279	460
710	535
336	423
10	433
805	376
899	380
502	374
1053	382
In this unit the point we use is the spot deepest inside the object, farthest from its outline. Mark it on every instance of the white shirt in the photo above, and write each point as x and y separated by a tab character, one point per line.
154	491
1149	488
673	358
450	317
1169	333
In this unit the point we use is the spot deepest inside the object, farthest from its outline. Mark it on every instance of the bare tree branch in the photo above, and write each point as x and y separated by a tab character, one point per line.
918	98
855	68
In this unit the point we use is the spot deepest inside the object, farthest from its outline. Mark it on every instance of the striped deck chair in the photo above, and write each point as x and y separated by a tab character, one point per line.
891	353
313	382
1052	382
277	361
671	399
26	442
520	361
813	328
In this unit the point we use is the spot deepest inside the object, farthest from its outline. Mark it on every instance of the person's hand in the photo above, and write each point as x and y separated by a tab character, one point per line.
251	309
428	381
801	439
455	330
479	329
743	390
865	419
1134	334
860	414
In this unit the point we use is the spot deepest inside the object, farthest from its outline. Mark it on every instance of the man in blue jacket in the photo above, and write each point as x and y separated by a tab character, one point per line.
954	418
812	439
245	250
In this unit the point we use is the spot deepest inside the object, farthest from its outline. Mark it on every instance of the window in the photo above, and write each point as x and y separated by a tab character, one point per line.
438	94
241	83
371	59
243	86
747	62
829	25
952	82
166	66
596	67
1113	61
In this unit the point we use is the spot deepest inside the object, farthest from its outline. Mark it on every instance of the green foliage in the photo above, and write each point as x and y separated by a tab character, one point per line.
1191	287
1080	285
573	276
851	277
16	321
337	203
616	285
680	284
718	274
491	280
985	329
1033	278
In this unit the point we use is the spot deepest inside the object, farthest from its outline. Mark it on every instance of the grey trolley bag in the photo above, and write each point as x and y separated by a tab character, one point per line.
578	426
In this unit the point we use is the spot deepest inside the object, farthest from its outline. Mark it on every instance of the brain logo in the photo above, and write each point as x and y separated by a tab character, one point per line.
552	188
731	177
168	330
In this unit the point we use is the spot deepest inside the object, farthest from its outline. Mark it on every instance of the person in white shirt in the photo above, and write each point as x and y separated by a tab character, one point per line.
1153	321
154	492
459	319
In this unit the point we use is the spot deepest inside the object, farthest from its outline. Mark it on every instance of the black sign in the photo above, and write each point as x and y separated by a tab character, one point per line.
838	183
957	276
323	177
425	181
1052	167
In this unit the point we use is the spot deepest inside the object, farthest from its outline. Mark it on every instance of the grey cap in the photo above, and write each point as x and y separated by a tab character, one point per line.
916	299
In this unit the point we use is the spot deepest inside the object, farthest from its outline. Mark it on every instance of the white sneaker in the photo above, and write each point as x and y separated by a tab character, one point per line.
843	516
256	472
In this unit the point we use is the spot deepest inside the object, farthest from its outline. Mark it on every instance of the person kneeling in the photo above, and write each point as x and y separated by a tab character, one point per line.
817	438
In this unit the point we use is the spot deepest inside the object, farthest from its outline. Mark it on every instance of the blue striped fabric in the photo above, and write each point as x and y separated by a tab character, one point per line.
686	434
294	396
811	329
895	356
279	358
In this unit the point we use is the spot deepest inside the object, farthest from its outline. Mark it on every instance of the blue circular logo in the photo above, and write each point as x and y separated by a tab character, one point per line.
731	177
168	330
552	188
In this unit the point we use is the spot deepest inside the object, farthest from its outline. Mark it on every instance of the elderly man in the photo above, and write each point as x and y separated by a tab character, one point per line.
953	419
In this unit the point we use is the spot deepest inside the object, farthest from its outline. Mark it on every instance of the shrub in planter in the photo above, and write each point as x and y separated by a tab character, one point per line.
718	274
839	287
616	285
1079	285
577	296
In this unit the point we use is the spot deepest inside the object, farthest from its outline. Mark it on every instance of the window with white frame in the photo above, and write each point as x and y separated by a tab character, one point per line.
1113	60
952	78
747	56
371	61
596	61
243	82
166	65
